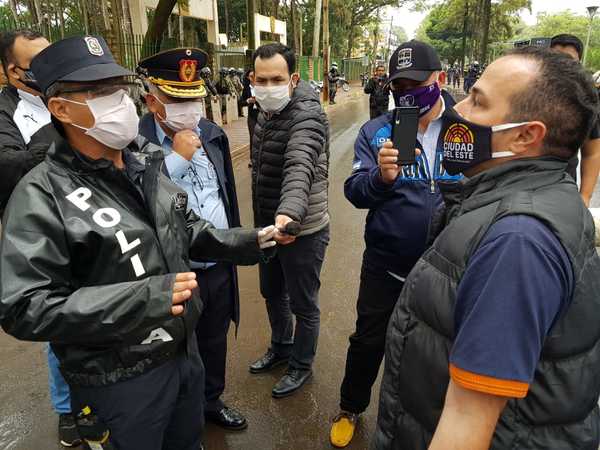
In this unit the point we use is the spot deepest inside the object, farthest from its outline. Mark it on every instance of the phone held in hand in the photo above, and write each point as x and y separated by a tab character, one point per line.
405	125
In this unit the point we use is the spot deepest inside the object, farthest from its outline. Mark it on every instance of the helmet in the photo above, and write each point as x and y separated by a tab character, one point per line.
223	70
205	72
232	71
334	65
240	70
475	63
596	78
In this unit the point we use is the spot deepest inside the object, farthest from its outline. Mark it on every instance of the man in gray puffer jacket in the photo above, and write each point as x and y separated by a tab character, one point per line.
290	159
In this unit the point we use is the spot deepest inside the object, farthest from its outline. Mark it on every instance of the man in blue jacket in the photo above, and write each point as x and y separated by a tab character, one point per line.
198	160
401	201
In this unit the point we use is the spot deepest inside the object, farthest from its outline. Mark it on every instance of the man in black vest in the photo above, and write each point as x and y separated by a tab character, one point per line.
204	170
494	342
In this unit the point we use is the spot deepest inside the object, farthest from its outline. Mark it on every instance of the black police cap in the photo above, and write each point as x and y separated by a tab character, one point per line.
414	60
176	72
76	59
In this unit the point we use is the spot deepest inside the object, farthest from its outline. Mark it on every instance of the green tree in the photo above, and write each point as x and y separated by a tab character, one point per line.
549	25
468	28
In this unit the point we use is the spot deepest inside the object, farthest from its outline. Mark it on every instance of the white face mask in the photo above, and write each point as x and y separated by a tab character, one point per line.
115	119
181	116
273	99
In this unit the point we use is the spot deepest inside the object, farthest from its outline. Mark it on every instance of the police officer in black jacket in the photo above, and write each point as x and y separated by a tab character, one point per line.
174	100
95	259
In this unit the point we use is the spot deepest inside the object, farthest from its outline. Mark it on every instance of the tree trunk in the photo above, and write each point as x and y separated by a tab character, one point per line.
317	30
376	37
487	12
463	51
226	10
294	25
350	38
13	10
84	15
61	17
157	27
275	10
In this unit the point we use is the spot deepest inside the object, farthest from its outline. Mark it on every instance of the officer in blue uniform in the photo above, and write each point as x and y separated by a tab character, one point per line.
197	159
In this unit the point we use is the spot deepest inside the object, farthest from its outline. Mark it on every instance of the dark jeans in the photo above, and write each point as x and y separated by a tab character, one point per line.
332	93
290	284
377	297
216	291
159	410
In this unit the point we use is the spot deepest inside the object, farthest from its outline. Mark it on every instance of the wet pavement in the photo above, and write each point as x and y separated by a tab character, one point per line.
300	422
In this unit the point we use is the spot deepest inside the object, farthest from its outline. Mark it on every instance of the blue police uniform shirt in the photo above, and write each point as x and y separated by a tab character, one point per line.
198	178
515	286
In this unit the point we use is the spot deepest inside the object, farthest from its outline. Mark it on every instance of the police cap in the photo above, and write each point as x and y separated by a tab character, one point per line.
176	72
76	59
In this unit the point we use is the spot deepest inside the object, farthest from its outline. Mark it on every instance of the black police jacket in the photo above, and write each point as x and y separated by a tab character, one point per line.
88	261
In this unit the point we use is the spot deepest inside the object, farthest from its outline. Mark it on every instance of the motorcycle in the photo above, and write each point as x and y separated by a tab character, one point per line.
317	86
342	83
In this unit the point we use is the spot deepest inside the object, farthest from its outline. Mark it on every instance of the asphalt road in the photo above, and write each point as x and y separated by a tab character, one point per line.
300	422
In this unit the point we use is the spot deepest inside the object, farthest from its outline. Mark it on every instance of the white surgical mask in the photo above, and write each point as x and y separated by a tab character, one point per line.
115	119
181	116
272	99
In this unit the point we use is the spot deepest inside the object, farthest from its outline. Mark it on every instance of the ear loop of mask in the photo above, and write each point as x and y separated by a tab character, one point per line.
162	119
505	126
82	104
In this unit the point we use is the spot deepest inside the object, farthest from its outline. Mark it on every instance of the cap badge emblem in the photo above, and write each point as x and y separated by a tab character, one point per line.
187	69
93	46
404	58
188	52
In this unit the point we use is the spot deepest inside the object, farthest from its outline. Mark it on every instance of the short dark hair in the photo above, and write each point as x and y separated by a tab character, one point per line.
7	44
568	39
268	51
562	96
380	65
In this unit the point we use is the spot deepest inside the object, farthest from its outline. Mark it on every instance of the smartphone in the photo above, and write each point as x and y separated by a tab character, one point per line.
405	125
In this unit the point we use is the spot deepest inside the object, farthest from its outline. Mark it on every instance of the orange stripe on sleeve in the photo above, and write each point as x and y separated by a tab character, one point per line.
488	385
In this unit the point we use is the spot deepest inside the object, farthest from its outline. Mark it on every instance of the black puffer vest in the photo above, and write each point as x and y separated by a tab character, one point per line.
560	411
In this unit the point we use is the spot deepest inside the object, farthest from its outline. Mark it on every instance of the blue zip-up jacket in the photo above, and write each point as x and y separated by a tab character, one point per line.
399	215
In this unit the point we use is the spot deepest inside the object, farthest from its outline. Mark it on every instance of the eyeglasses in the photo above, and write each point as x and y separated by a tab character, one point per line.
94	91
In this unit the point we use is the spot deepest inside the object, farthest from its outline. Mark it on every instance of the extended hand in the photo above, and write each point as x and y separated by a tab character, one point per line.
182	290
186	142
281	237
265	237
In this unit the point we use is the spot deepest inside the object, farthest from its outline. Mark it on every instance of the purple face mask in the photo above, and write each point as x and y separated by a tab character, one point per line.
424	97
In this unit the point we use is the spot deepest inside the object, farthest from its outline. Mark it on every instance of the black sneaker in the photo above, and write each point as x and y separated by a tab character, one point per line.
67	431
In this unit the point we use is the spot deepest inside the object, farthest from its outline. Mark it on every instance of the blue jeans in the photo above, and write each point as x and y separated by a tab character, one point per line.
59	389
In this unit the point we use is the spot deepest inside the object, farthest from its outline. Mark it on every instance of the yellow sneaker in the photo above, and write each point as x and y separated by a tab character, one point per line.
342	429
